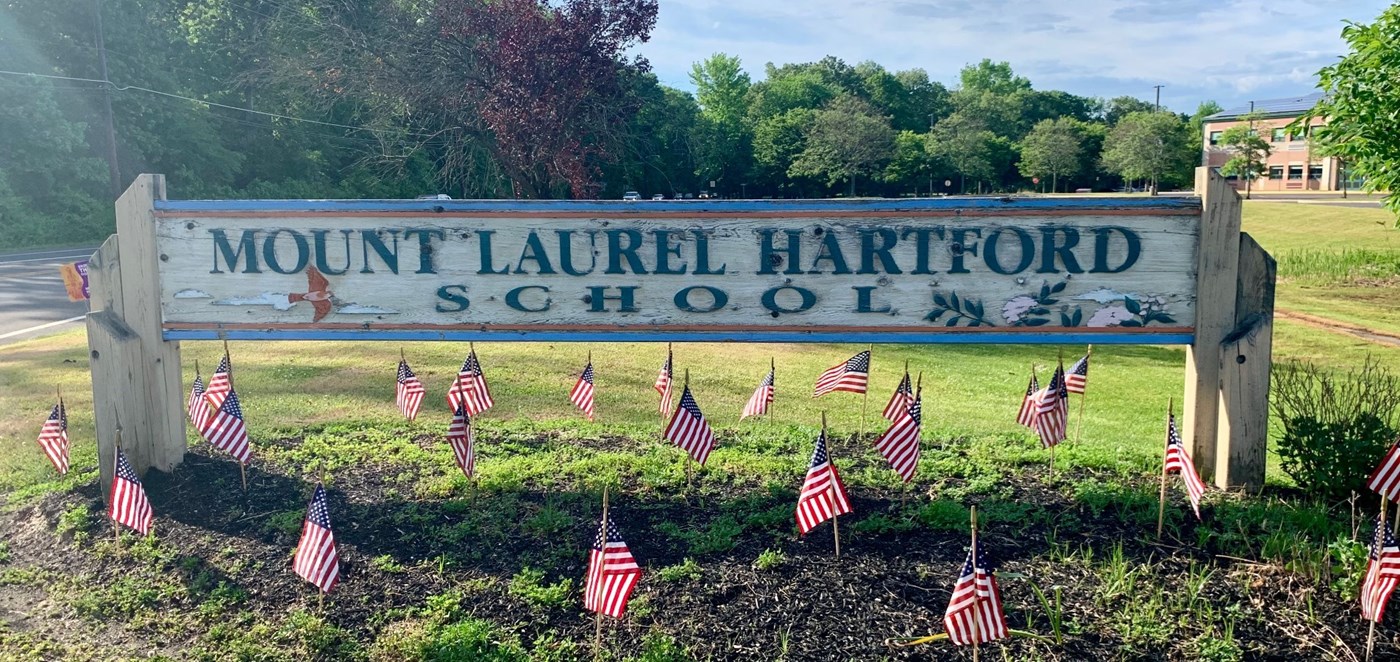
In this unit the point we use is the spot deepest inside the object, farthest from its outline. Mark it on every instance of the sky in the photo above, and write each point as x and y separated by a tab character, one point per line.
1231	51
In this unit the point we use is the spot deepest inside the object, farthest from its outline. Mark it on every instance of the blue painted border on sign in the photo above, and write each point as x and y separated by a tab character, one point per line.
661	335
1183	204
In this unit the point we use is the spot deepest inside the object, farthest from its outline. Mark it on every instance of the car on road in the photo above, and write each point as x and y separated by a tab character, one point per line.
632	196
658	196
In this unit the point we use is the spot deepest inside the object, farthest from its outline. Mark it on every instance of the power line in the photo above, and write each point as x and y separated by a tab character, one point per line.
215	104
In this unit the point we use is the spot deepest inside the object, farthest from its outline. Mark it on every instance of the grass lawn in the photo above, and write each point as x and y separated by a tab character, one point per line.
440	567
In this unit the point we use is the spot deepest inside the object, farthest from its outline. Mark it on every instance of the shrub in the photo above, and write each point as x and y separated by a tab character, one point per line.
1336	426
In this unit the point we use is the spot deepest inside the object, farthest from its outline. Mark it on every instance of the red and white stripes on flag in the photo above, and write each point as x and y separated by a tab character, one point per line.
459	437
688	429
975	613
408	391
316	560
850	375
469	389
612	572
823	495
53	437
582	393
1178	460
219	384
761	398
198	407
1029	404
900	444
1052	410
899	400
1077	379
127	499
227	431
1382	572
665	383
1385	480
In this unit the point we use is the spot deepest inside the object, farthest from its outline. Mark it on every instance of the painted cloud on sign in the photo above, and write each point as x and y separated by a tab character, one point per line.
276	300
193	294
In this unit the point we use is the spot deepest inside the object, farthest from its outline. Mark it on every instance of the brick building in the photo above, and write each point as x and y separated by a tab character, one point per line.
1291	164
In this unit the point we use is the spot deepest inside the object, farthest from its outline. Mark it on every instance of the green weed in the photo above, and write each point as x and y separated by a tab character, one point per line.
529	585
769	559
687	570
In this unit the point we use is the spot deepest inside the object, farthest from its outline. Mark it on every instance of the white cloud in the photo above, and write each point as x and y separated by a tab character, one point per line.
1229	50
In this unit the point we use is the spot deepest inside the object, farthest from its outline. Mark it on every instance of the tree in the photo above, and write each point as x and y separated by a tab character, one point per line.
1250	151
1361	106
994	77
846	140
1052	148
777	141
722	136
964	142
913	163
1117	108
1150	146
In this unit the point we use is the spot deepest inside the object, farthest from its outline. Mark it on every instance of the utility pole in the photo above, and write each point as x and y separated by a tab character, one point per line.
113	170
1158	105
1249	157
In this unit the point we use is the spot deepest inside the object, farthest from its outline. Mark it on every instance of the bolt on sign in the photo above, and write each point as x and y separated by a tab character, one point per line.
975	270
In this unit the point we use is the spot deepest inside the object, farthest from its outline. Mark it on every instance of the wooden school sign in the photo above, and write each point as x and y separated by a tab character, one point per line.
956	270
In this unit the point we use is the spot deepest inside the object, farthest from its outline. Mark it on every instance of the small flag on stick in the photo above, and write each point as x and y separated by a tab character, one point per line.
53	437
1179	461
823	495
1029	403
220	383
1382	572
850	375
469	390
900	444
1385	480
316	560
664	380
129	505
613	573
198	406
900	399
582	393
1078	376
459	437
975	614
226	430
688	429
1052	410
408	391
761	398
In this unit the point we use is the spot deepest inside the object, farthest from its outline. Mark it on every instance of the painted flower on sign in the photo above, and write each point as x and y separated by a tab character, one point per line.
1017	307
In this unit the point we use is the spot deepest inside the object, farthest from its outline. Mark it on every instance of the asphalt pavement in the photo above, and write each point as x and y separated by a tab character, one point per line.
32	299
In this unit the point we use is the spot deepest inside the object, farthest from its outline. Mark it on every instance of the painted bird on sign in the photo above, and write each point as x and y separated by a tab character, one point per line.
318	293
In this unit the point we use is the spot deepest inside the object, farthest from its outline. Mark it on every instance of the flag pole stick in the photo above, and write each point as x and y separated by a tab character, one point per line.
1079	423
1371	633
976	608
242	470
865	395
773	370
831	493
598	615
1057	396
117	448
1162	493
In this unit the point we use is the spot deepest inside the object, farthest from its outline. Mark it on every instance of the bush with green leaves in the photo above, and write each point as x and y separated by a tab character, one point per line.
1336	425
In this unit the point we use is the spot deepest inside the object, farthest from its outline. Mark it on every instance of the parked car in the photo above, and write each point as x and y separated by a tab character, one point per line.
632	196
658	196
703	195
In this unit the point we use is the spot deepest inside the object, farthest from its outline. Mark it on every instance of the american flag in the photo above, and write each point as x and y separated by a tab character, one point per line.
975	613
761	398
848	376
1052	410
1178	460
226	429
408	391
1078	376
316	560
582	393
1382	572
470	388
198	407
612	572
899	400
1029	407
663	384
219	385
900	443
1385	480
689	430
129	504
823	496
53	437
459	437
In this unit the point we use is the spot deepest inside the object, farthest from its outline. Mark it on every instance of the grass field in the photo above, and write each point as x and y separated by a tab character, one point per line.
440	567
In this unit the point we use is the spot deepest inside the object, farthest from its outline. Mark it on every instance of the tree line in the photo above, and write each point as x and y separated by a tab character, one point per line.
514	98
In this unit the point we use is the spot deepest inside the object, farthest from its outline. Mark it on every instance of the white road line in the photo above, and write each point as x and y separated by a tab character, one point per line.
61	251
73	256
41	326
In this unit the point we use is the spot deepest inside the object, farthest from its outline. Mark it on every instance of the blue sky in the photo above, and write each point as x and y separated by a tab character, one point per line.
1232	51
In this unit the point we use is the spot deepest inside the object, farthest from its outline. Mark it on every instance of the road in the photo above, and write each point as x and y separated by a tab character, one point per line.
32	299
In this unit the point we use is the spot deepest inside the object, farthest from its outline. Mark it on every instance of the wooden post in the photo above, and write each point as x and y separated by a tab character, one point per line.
1245	360
1217	268
133	367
